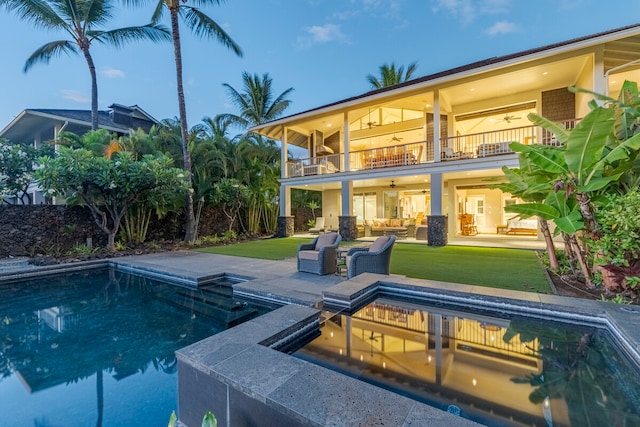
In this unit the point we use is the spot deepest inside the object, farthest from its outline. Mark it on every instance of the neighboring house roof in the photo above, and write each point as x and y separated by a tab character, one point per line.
42	122
271	128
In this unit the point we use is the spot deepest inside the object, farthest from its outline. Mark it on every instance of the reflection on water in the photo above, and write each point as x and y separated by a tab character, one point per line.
484	367
98	348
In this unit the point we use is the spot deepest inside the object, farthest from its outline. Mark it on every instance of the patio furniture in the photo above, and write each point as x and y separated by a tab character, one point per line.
373	259
468	225
421	232
448	154
319	227
319	256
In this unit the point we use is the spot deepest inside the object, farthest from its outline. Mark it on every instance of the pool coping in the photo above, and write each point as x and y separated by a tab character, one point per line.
243	359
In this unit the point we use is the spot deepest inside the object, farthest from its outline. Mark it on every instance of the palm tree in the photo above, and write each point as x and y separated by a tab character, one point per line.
390	75
79	19
203	26
255	103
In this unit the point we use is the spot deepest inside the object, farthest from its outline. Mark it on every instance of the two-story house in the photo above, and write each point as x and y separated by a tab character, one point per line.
425	148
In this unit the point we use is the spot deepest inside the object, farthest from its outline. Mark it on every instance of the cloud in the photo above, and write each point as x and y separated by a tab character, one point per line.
74	95
502	27
112	73
317	34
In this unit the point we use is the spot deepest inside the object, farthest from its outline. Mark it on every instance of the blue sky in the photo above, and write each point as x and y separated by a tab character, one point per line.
324	49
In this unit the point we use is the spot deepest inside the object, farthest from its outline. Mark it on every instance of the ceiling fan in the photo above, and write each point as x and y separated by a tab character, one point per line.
371	124
396	139
507	118
393	185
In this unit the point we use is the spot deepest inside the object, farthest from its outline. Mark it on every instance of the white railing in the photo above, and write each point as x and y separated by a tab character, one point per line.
318	165
460	147
396	155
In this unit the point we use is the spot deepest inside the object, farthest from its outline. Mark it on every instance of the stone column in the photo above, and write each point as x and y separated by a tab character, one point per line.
285	226
348	228
437	230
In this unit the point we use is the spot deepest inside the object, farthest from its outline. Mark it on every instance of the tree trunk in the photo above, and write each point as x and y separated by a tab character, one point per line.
84	45
190	232
551	250
581	261
590	224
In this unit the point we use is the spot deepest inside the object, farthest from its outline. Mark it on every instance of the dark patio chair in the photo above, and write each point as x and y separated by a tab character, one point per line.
319	256
374	259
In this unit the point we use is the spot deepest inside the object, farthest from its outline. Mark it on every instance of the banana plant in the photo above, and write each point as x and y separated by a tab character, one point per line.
592	157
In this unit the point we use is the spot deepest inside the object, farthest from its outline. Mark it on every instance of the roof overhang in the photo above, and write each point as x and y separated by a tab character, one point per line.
274	129
30	122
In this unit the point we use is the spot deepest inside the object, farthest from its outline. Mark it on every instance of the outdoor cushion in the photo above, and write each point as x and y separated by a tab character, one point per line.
326	239
310	255
379	243
395	222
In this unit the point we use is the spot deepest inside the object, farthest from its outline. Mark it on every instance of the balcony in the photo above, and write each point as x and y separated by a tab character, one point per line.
461	147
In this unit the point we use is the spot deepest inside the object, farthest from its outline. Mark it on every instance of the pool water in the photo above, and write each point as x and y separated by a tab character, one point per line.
487	367
97	348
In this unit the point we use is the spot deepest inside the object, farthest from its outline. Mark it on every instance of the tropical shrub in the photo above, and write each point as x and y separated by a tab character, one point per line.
17	165
108	187
618	247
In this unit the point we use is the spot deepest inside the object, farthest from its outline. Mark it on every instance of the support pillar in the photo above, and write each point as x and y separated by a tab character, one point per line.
437	230
348	228
285	226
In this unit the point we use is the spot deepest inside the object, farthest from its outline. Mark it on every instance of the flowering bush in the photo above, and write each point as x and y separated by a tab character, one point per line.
109	187
17	165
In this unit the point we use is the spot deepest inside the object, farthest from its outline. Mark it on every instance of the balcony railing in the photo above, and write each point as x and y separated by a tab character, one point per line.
319	165
460	147
397	155
497	142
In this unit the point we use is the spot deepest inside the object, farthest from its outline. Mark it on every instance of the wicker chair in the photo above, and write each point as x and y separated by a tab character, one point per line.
319	256
374	259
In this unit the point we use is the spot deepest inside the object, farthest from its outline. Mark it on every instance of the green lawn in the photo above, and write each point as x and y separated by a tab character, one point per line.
515	269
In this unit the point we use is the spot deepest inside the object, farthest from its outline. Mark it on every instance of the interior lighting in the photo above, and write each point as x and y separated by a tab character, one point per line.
384	365
429	358
473	89
361	358
340	352
331	334
474	382
545	73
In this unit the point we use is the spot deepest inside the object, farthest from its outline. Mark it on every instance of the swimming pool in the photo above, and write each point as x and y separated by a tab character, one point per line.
496	369
97	348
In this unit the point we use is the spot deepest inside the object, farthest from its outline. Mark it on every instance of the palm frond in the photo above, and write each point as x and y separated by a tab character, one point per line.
97	12
48	51
119	37
36	12
204	26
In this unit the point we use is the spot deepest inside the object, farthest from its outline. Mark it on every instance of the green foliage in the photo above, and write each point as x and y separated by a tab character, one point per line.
390	75
229	236
617	299
231	196
619	222
311	223
209	420
109	187
120	246
17	165
210	240
83	250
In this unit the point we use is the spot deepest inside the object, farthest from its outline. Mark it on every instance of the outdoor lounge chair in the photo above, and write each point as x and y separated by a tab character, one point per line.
319	227
319	256
374	259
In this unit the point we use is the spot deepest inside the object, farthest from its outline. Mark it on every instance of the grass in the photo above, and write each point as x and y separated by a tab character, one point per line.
514	269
